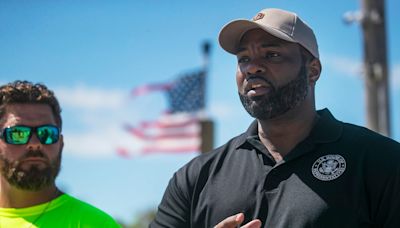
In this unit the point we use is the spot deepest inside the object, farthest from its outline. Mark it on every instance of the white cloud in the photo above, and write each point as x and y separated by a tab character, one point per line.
354	68
85	97
222	110
344	65
227	111
100	142
93	120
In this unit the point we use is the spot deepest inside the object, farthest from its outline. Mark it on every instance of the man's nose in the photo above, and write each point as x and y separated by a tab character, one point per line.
34	141
254	67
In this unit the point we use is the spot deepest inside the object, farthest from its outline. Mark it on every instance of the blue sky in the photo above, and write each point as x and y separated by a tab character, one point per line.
92	53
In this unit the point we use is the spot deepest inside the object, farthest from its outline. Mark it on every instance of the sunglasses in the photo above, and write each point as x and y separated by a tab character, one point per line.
19	134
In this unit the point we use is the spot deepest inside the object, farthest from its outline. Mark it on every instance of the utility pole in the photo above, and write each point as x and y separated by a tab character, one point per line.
375	60
372	20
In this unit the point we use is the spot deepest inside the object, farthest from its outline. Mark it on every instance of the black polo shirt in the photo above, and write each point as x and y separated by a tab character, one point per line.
341	175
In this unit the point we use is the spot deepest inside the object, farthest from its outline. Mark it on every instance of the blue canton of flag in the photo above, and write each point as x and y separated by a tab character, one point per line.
187	93
178	130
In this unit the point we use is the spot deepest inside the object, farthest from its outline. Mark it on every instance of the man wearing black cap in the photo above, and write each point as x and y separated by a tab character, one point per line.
294	166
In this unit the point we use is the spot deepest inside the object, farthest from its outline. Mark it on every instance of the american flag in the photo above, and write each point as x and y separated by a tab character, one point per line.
178	130
185	94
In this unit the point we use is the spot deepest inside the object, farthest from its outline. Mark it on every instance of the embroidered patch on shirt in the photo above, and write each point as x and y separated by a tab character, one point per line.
329	167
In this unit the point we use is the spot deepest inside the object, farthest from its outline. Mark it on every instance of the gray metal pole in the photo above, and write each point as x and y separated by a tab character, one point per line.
375	66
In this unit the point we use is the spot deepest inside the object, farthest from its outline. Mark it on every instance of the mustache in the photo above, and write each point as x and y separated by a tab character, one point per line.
34	153
259	77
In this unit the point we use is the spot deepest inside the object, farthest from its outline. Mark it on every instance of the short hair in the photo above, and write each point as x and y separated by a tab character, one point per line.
25	92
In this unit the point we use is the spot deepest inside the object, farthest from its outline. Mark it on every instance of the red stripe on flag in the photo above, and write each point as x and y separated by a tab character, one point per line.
153	150
173	133
123	152
164	135
145	89
161	124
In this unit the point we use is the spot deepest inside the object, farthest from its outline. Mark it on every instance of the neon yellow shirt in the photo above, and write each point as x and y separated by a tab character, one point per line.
62	212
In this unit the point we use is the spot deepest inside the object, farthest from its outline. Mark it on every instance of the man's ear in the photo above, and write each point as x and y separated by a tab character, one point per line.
61	139
314	70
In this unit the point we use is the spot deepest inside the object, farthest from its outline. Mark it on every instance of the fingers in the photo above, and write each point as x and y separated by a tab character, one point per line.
234	221
253	224
231	222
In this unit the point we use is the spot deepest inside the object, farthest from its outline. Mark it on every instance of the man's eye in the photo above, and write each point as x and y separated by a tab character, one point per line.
272	55
243	59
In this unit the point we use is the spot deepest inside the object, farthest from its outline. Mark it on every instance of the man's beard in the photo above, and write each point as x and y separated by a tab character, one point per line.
279	100
34	178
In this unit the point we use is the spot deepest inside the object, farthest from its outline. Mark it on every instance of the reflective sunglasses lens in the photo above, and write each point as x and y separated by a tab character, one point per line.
17	135
48	134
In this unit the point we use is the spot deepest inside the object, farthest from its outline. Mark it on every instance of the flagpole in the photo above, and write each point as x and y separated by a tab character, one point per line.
206	55
207	124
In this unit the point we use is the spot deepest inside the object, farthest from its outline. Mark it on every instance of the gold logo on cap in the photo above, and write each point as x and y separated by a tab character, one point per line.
258	16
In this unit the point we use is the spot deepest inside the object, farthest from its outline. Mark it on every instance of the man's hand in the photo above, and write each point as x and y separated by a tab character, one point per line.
235	220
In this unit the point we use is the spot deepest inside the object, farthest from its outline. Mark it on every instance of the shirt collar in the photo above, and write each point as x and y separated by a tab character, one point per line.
327	129
251	132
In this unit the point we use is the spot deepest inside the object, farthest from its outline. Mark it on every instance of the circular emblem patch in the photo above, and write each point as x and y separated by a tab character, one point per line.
329	167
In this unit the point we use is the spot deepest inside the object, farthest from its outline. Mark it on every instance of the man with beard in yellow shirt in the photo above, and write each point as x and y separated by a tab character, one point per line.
31	145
